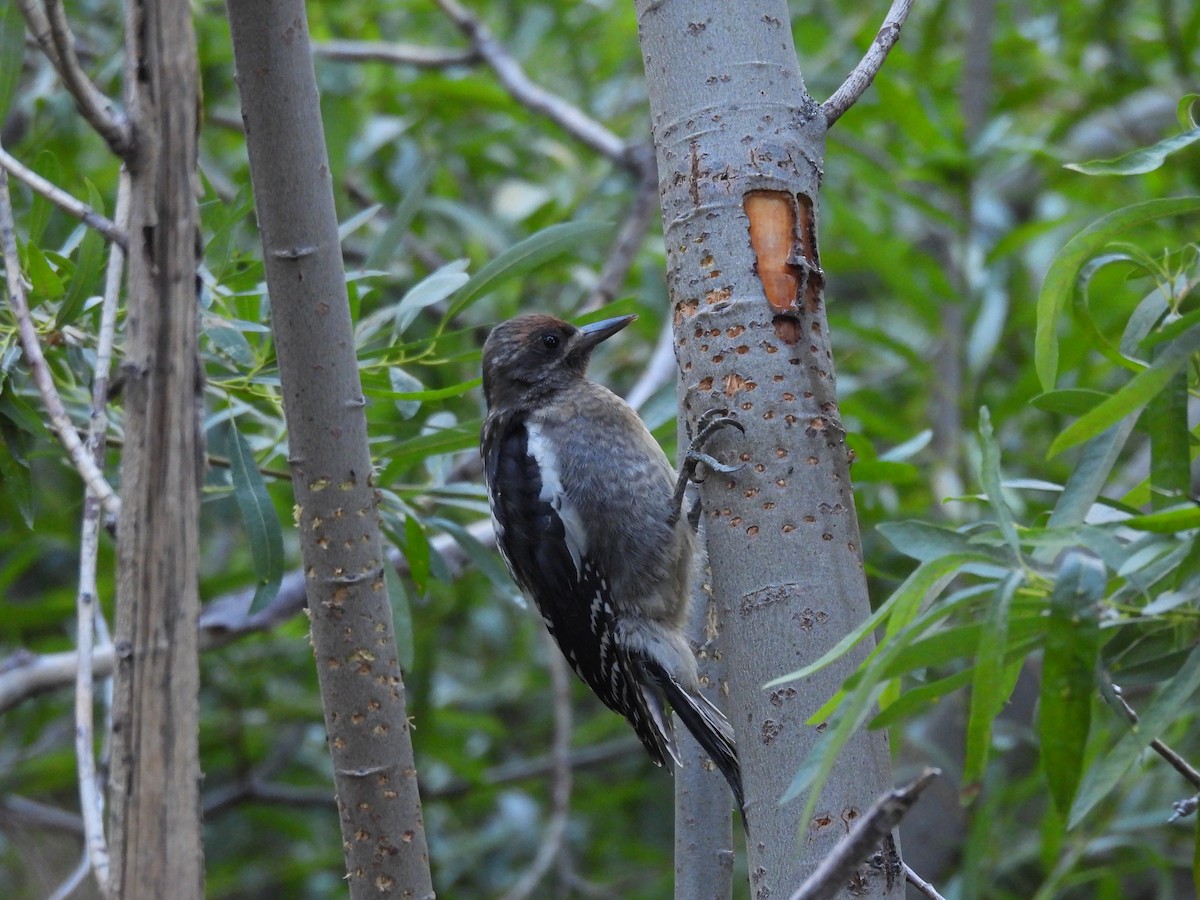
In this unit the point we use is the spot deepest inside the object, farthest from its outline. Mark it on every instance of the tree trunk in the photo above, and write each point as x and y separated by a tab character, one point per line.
155	793
740	145
352	631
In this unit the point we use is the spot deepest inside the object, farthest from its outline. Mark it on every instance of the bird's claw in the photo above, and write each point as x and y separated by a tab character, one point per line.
707	425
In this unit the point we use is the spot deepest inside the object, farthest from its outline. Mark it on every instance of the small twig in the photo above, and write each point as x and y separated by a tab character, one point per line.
72	882
24	674
91	799
63	200
868	833
921	884
533	97
868	67
396	54
60	421
624	250
560	785
51	30
1177	762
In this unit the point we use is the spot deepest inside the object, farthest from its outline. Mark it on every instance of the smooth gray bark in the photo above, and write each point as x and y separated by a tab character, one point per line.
740	145
362	690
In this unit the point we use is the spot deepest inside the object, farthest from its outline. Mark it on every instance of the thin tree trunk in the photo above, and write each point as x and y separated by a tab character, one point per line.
358	667
155	792
740	146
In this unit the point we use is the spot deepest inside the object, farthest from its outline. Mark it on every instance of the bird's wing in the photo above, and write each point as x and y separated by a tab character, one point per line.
543	540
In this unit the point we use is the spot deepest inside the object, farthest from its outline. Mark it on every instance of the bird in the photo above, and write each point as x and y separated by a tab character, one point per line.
588	515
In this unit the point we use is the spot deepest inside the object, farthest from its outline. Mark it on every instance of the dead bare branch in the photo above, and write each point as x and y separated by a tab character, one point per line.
868	834
396	54
868	67
532	96
52	32
62	199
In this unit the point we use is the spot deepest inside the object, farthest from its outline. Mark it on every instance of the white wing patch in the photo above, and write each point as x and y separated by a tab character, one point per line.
552	492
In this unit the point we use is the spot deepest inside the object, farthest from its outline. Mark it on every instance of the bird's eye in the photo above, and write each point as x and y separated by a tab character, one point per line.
550	341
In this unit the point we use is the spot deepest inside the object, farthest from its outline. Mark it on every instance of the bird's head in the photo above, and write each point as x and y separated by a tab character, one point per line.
536	355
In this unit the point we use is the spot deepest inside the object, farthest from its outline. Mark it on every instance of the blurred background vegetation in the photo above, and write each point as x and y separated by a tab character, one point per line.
945	201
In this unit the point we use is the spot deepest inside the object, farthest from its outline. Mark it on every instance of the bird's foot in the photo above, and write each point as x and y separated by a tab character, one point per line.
707	425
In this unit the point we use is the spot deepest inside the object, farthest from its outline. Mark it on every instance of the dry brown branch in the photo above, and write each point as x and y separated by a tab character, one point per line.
869	833
396	54
62	199
52	32
91	801
532	96
868	67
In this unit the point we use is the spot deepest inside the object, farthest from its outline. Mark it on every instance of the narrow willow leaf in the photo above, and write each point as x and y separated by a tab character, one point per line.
990	689
922	541
487	561
1167	521
1069	674
416	552
1089	476
929	578
446	440
1140	161
87	266
990	474
432	289
1168	704
401	616
1060	283
1166	421
12	55
258	517
1131	398
454	390
357	221
44	281
524	256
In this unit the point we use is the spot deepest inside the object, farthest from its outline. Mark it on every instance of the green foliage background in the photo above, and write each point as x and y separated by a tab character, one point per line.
945	203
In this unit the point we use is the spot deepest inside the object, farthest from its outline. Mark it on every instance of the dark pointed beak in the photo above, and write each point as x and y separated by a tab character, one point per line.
591	335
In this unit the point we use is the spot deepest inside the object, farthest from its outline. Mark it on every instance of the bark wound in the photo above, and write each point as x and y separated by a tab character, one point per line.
783	235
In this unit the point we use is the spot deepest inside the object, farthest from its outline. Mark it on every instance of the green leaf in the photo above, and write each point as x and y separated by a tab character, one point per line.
258	517
1069	401
416	552
385	248
1167	521
924	542
357	221
1166	421
1130	399
401	616
1060	283
44	281
993	681
1089	476
88	263
445	440
929	579
430	290
16	481
12	55
485	559
990	475
524	256
1140	161
1169	702
1069	674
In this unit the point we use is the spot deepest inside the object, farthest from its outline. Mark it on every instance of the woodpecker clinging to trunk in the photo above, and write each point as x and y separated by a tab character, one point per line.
588	518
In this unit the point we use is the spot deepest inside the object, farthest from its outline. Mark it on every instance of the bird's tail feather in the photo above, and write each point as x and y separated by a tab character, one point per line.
711	730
